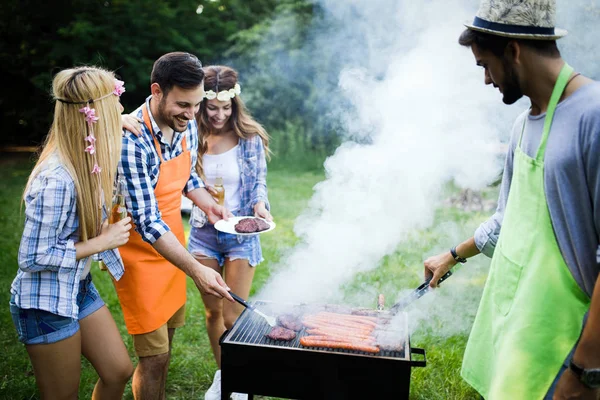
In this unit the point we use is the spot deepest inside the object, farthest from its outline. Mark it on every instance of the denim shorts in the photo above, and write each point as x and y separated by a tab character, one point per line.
38	326
209	242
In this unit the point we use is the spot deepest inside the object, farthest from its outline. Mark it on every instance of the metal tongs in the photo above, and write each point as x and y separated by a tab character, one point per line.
270	320
416	294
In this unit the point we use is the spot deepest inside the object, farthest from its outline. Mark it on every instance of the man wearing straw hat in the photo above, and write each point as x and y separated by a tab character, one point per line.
527	340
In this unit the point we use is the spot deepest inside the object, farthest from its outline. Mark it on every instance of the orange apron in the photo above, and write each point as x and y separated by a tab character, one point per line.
152	289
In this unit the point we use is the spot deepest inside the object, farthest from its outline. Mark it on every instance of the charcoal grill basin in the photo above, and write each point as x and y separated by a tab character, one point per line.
254	364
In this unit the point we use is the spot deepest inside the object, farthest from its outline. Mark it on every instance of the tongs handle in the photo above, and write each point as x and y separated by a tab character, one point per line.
241	301
417	293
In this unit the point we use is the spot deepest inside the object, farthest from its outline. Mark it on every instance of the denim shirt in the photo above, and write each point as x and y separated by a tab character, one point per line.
49	273
252	163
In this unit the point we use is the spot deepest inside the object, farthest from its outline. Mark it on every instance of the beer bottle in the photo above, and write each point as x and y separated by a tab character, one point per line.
220	196
118	211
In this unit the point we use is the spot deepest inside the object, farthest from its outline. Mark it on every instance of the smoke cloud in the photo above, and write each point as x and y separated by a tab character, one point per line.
420	117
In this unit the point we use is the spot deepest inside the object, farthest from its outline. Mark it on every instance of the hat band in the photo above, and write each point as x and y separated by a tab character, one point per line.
517	29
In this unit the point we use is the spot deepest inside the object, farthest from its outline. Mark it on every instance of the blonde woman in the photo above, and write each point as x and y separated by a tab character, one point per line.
55	307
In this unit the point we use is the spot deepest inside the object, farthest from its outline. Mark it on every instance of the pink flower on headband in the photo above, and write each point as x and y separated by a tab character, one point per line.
96	169
90	114
91	138
119	88
90	149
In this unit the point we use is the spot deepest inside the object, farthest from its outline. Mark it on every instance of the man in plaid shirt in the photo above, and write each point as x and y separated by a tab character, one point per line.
158	165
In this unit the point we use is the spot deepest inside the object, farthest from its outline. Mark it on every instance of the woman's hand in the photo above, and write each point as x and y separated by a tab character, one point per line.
216	212
132	123
260	210
211	190
114	235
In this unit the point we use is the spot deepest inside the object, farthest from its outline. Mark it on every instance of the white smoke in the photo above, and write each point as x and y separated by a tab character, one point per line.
421	103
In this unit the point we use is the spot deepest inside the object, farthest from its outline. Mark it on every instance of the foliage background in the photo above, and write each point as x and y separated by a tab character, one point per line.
41	38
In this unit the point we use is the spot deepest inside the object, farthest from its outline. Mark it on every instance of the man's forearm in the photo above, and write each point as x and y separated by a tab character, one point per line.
467	249
169	247
587	353
201	198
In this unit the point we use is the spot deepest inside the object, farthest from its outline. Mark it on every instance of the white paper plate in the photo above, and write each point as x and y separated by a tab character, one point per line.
229	226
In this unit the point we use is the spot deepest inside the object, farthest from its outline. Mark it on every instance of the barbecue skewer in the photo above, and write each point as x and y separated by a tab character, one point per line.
270	320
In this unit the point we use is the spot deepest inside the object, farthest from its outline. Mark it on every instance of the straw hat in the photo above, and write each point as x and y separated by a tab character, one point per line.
519	19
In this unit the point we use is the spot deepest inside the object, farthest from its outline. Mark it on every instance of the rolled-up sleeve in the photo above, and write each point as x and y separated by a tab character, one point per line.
50	202
259	192
141	201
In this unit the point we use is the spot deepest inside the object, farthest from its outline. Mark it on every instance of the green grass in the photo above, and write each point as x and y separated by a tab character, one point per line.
192	365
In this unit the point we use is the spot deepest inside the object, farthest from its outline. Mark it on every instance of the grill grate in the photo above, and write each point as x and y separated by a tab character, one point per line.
251	329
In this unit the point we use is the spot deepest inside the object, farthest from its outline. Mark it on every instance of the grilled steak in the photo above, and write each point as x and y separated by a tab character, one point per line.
289	321
262	225
279	333
246	225
251	225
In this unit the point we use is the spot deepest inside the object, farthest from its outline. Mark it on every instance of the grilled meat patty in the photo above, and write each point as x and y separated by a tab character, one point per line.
251	225
280	333
289	321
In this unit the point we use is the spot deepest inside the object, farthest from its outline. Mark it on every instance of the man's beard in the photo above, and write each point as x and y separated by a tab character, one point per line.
511	89
170	122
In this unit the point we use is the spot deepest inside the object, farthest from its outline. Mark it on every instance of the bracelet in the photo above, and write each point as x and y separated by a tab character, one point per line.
456	257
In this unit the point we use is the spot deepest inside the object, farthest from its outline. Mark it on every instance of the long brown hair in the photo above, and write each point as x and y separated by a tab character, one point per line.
218	78
66	139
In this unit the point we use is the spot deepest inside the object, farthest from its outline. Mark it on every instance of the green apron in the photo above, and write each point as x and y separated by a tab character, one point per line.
532	309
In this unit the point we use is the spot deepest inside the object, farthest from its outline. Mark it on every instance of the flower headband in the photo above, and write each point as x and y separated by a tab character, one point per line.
91	119
224	95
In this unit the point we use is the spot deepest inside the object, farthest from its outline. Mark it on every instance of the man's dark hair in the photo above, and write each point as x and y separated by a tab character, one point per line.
496	44
177	69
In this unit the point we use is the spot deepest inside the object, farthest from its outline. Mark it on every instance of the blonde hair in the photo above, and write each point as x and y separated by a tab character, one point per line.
218	78
75	87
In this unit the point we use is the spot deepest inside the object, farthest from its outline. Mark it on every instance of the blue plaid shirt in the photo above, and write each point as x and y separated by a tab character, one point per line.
252	163
140	165
49	274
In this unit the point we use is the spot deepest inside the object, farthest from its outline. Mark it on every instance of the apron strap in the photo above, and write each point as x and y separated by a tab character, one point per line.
148	124
559	88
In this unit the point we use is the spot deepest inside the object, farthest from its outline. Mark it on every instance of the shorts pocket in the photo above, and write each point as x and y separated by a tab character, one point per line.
506	278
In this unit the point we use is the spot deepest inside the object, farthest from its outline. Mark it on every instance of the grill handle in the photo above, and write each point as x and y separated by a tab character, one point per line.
418	363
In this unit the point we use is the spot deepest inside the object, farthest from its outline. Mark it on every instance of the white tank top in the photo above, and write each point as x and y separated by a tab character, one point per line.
225	165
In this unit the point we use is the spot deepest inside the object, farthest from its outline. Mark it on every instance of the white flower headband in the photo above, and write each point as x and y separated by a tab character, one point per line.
224	95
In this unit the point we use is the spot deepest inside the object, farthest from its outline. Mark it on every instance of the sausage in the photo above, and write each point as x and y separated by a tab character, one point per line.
308	321
343	339
340	318
359	318
332	332
357	346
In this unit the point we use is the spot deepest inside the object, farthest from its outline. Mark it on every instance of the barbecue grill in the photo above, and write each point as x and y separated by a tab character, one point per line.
254	364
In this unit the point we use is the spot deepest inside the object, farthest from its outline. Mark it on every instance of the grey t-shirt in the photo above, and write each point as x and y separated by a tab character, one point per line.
571	179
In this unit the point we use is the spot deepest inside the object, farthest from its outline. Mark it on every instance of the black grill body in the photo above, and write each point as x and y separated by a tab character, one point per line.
254	364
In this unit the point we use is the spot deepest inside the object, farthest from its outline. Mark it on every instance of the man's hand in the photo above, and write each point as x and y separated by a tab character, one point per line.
208	281
437	266
570	387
